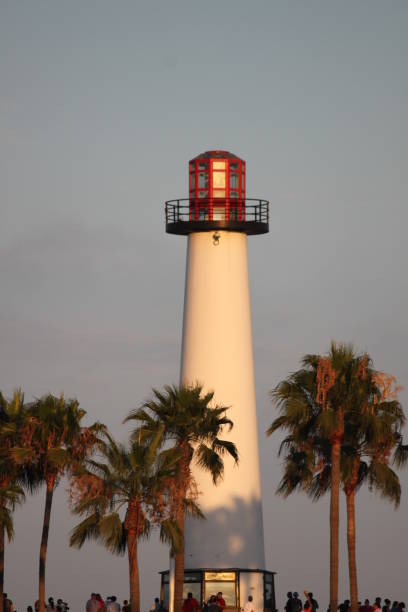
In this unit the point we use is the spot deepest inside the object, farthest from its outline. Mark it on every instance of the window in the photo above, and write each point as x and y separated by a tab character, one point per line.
194	588
224	582
234	181
219	165
219	180
269	595
203	180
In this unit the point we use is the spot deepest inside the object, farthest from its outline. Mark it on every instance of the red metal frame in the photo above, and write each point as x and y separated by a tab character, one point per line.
212	203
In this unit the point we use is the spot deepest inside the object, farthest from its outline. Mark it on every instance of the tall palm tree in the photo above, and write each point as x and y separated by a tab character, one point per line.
314	403
186	417
13	422
59	444
372	444
371	425
135	479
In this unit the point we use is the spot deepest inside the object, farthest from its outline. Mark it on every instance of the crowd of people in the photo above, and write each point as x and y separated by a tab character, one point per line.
397	606
97	604
51	605
216	603
295	604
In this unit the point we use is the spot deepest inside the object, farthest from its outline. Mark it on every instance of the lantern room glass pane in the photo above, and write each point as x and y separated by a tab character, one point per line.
203	194
234	194
234	165
203	180
219	193
218	179
234	181
203	166
218	165
192	180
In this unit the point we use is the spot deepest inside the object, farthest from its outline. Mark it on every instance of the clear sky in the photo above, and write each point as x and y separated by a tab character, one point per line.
102	104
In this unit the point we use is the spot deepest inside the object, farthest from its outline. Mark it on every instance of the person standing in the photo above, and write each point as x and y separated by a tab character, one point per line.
126	606
289	603
296	603
313	602
100	603
387	605
156	605
249	606
92	604
345	606
113	605
221	601
7	603
190	604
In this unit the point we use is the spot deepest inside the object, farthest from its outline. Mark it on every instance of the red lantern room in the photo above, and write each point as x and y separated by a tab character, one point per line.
217	175
217	198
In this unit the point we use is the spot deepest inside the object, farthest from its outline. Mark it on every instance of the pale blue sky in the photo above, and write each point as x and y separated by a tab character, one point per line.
101	106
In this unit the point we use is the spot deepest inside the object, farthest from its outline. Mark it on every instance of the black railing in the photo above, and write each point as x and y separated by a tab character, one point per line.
249	215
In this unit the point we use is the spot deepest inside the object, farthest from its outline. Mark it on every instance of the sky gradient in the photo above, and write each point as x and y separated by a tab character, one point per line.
102	104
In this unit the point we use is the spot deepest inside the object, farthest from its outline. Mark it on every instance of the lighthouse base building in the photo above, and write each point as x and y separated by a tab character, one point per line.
224	552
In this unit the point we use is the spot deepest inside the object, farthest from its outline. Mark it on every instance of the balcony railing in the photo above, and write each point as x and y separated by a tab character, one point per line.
184	216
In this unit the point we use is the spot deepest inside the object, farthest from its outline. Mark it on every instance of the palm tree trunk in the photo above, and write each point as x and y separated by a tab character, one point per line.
133	572
2	539
334	523
351	543
179	567
179	555
44	541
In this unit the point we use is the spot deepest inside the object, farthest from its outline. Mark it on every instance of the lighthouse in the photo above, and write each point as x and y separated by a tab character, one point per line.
225	551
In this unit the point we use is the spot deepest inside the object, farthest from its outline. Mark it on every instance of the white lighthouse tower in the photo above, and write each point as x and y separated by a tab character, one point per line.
224	552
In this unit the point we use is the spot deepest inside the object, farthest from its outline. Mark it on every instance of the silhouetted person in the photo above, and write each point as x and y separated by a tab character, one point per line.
190	604
289	603
313	602
345	606
296	603
156	605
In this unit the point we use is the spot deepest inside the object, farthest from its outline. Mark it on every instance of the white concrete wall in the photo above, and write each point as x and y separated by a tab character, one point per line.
217	351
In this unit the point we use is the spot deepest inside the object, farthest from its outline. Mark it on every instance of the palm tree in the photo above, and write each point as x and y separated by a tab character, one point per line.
314	402
371	420
186	417
134	478
13	422
372	443
60	443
